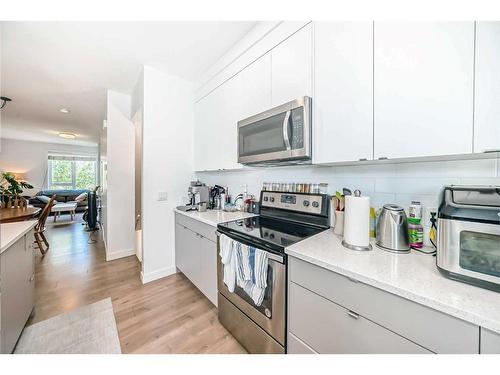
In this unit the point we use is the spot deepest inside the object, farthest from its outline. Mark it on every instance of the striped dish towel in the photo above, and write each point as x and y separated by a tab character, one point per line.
256	287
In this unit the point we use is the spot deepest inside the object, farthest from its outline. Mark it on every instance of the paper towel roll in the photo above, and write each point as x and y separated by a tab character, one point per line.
357	221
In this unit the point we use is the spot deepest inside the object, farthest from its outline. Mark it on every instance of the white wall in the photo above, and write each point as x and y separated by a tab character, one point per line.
167	166
119	193
30	158
384	183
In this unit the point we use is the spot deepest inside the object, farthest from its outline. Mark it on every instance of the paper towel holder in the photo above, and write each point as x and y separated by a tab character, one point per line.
357	248
357	193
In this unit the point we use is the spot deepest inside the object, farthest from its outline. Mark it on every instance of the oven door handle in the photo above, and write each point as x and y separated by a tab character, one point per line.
270	255
286	136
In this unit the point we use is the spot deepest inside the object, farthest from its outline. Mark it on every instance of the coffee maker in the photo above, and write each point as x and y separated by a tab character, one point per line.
197	194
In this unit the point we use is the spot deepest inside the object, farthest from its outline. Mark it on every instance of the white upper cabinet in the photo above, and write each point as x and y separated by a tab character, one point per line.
423	88
487	87
343	93
254	91
216	118
291	75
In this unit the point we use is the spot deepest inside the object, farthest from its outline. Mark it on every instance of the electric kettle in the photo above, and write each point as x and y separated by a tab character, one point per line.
392	229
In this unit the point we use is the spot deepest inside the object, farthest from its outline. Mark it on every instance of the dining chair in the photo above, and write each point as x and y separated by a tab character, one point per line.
40	238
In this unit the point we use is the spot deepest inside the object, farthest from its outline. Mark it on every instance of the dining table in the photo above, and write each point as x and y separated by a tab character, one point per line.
9	215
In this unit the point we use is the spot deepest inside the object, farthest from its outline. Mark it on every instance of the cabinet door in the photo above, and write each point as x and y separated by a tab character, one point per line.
343	93
292	67
208	270
423	78
490	342
181	243
17	290
255	88
204	131
187	259
487	87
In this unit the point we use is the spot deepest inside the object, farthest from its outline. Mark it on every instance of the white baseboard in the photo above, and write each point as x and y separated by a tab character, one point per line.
158	274
119	254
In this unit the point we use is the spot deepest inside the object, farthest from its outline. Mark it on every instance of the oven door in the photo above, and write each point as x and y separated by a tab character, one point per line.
470	249
270	315
280	134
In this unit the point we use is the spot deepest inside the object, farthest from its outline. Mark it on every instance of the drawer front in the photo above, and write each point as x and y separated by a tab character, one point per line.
416	322
203	229
490	342
297	346
329	328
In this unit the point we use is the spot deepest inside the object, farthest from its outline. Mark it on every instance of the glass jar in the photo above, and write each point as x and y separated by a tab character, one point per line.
323	188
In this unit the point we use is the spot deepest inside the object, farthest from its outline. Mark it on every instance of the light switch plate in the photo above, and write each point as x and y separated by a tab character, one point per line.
162	196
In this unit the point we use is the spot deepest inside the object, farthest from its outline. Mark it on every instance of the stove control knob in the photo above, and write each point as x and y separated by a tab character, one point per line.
315	204
266	199
306	203
271	199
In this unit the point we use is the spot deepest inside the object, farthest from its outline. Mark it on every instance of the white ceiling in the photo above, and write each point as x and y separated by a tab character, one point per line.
50	65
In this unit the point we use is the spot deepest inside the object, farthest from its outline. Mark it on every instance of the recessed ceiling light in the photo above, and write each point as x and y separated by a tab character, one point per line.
67	135
64	110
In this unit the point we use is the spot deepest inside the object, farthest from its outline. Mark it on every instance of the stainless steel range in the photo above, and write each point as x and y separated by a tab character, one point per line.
285	218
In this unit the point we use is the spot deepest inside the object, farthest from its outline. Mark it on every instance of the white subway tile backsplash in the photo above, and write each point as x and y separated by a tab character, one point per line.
480	181
455	168
384	183
413	185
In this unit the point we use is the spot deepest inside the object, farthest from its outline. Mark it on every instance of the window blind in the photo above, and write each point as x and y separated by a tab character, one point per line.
72	157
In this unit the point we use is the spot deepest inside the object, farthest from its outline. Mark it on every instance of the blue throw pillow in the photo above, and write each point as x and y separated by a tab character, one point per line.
43	198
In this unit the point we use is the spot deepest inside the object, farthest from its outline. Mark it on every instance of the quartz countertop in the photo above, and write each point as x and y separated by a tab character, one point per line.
413	276
214	217
11	232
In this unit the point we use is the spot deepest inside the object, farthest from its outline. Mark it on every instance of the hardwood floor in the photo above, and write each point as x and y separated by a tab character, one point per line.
165	316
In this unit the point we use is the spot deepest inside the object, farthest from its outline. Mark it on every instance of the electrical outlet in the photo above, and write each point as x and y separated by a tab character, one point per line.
162	196
426	215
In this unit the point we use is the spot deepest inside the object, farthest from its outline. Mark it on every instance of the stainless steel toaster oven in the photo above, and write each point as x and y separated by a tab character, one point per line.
468	240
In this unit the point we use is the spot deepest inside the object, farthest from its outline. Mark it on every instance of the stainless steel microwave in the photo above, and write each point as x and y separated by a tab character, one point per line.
281	135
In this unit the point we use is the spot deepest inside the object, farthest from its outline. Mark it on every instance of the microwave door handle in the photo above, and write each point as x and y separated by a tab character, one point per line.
286	137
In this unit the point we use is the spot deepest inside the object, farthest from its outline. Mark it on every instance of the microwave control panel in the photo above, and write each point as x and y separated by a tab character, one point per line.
297	116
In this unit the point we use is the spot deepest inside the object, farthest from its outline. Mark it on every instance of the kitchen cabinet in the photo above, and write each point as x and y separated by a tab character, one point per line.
423	88
487	87
343	93
291	73
331	329
17	274
253	95
196	254
490	342
324	304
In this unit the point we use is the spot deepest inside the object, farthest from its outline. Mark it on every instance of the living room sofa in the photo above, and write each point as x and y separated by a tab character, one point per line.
62	196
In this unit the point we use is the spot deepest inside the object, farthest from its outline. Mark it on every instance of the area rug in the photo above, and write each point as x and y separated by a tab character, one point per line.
89	329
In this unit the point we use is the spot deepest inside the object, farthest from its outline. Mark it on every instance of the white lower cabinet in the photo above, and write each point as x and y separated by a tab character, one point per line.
329	328
196	254
17	290
490	342
331	313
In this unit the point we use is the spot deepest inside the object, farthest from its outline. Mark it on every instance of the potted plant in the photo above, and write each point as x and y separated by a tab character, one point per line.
12	188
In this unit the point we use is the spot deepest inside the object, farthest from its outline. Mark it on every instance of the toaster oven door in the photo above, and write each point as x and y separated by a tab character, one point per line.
469	249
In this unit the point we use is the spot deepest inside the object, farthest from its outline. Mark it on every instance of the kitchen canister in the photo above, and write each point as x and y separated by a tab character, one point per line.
357	222
338	227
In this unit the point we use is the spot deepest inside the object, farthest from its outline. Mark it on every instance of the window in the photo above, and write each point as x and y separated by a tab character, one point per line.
72	172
